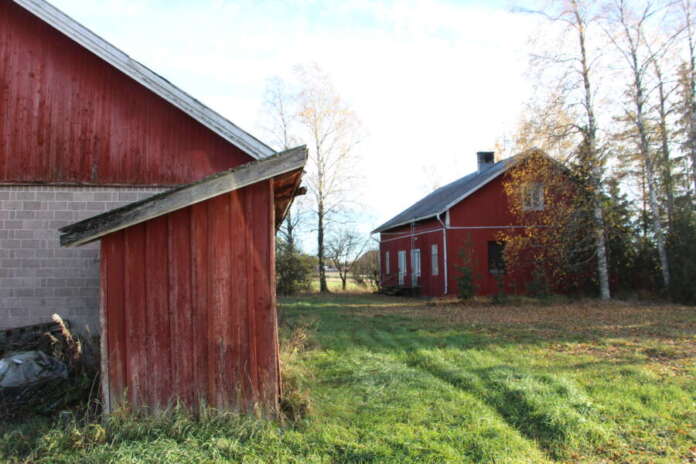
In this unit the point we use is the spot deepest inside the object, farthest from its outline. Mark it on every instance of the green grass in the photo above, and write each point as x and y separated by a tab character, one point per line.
409	380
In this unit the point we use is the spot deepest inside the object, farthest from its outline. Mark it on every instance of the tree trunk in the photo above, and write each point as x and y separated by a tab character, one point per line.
664	138
644	146
343	281
657	225
600	243
290	232
323	288
652	194
691	104
596	173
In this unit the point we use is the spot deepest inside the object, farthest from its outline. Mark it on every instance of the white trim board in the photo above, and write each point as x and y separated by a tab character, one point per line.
146	77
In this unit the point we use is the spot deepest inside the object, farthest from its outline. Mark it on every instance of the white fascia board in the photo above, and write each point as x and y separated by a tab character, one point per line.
145	76
377	231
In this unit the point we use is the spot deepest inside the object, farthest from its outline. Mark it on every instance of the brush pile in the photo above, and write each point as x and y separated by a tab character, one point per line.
45	369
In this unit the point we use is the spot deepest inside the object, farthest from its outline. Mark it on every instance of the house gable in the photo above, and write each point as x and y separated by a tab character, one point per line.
83	113
153	81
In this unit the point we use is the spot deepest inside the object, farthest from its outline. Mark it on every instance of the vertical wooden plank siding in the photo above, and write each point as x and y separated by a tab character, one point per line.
219	296
264	321
252	367
180	305
238	297
158	316
103	345
115	318
76	119
199	284
190	306
137	333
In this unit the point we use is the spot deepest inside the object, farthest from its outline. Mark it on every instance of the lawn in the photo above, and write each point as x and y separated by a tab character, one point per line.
407	380
333	281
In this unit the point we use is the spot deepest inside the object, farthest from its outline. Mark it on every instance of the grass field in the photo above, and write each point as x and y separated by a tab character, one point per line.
333	281
402	380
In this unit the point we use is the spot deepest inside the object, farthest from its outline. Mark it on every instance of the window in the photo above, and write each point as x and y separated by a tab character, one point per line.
434	263
496	259
533	196
402	266
387	264
416	262
415	267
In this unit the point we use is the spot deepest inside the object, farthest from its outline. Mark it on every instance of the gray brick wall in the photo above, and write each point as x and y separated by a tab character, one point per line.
37	276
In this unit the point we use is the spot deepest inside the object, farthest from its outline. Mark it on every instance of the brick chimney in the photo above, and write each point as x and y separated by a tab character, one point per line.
485	160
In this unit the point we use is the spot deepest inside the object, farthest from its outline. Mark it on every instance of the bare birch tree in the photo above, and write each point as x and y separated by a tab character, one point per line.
332	131
685	9
627	31
280	125
664	132
575	68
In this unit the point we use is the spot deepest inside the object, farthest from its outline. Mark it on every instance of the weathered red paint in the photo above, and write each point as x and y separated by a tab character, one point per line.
75	119
196	287
485	214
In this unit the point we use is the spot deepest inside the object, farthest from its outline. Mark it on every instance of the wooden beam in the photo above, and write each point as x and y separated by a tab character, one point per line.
95	227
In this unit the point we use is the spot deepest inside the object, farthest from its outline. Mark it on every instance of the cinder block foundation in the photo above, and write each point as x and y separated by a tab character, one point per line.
37	276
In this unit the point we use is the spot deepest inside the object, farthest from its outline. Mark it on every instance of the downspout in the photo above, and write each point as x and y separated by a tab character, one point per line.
444	246
412	275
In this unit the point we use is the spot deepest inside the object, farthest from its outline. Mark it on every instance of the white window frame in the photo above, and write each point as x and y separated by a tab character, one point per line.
415	266
533	196
387	264
401	262
434	263
416	262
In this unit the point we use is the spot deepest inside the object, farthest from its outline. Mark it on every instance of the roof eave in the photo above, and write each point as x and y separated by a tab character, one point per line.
451	204
96	227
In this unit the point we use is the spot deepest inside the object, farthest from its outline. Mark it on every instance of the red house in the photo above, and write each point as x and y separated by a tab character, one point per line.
84	128
420	247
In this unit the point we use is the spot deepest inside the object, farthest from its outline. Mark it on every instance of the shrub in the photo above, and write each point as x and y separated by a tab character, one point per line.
466	284
293	270
500	296
538	286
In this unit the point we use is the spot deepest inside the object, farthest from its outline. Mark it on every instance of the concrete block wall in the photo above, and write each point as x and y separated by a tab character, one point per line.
37	276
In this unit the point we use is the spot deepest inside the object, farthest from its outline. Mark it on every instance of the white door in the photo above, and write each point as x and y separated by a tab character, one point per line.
402	266
415	267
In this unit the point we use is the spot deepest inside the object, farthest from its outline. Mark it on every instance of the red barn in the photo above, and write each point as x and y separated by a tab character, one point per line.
420	247
84	129
188	289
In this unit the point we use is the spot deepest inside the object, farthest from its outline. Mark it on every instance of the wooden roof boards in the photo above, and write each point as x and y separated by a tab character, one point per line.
285	168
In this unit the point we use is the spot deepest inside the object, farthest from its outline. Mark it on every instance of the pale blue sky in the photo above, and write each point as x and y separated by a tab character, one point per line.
433	81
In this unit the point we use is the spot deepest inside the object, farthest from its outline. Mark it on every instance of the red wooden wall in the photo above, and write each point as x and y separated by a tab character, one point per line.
474	221
188	301
427	233
66	116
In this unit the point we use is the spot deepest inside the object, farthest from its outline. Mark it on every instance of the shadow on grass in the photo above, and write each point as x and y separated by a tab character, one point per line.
543	404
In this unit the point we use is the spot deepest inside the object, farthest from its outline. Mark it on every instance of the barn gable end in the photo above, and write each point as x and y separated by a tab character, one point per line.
84	129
